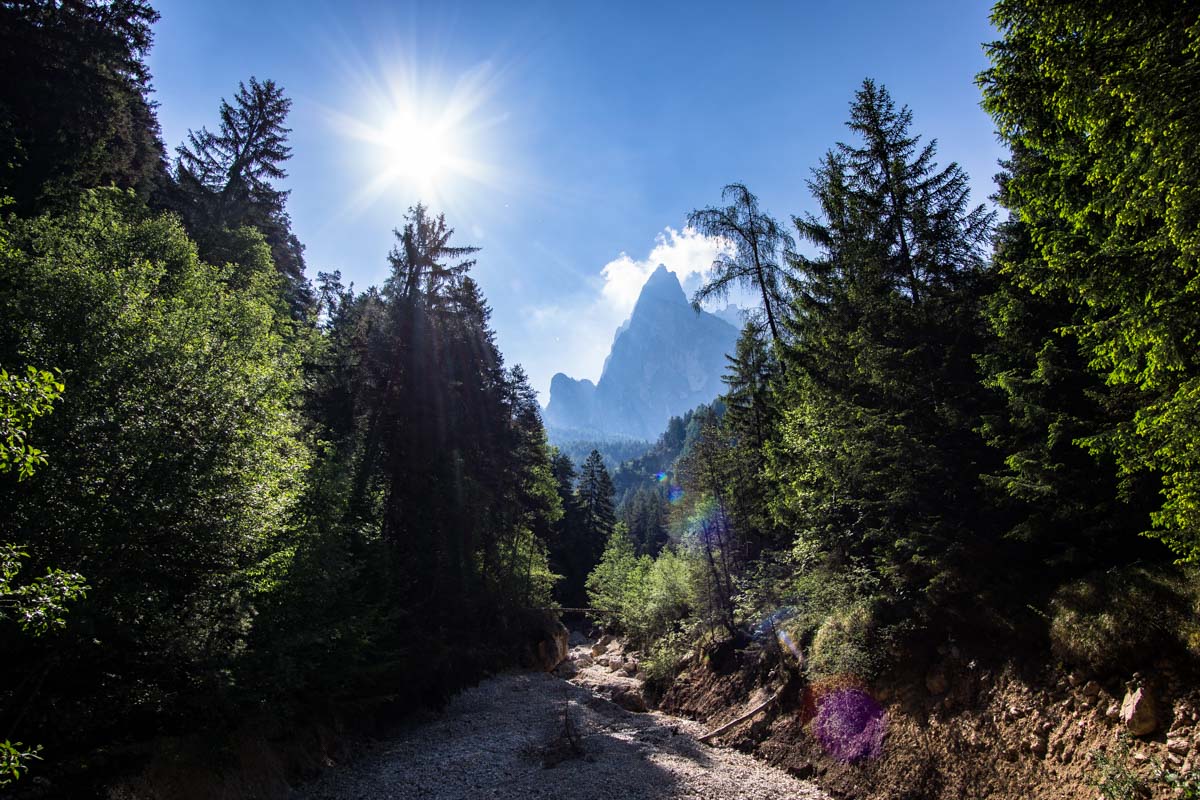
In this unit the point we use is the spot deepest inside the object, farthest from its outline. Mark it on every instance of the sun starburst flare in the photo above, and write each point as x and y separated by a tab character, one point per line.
420	137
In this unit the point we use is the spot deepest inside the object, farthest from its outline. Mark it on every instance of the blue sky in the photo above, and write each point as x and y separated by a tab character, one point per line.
573	138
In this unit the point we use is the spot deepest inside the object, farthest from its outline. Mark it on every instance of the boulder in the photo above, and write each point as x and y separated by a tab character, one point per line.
1138	712
552	648
630	700
577	639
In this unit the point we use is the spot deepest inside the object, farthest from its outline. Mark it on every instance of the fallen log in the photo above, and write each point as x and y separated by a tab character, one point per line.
740	719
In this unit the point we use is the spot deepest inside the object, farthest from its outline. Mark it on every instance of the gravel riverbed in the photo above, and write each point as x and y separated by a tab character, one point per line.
534	735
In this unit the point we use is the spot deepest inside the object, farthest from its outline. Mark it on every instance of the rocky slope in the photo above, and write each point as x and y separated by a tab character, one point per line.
666	359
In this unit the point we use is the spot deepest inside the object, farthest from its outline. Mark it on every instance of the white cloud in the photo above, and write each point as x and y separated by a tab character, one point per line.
687	253
578	332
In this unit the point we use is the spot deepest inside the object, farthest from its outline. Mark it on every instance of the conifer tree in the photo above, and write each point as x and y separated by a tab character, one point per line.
227	180
878	457
759	245
1100	98
75	108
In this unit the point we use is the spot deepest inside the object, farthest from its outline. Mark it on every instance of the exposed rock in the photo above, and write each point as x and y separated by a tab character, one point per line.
552	650
1138	712
665	360
630	700
601	645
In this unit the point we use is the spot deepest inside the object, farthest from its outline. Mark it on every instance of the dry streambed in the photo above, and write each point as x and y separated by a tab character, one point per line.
529	735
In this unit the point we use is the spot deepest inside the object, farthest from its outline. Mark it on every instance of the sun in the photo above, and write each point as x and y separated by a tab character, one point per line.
421	152
415	137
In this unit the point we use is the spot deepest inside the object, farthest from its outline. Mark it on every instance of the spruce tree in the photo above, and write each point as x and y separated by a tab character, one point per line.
878	458
227	180
1100	99
75	108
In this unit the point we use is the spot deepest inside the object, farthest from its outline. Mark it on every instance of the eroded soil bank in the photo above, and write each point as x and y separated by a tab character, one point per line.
958	727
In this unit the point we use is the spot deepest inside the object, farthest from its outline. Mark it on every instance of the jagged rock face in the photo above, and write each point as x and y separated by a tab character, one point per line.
665	360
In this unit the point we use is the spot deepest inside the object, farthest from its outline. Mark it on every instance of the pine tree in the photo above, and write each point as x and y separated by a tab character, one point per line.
749	424
595	497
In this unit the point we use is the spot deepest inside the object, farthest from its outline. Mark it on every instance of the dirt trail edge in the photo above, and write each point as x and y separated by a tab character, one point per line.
530	735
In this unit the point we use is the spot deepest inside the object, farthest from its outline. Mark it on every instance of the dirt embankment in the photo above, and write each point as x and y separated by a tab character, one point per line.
952	727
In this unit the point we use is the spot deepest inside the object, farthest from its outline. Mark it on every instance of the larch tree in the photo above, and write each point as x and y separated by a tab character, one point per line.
756	262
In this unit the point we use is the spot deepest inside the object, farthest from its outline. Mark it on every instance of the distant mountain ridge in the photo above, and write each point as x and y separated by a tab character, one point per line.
665	359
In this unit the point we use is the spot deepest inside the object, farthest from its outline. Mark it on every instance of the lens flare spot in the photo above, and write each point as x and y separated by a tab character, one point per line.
675	494
660	476
850	725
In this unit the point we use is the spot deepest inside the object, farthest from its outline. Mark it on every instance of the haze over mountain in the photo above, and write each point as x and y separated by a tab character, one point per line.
666	358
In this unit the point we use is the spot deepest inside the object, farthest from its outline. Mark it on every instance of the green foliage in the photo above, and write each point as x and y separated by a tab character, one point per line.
847	644
648	599
1097	98
22	400
14	759
1113	776
177	461
1108	622
877	456
41	604
617	578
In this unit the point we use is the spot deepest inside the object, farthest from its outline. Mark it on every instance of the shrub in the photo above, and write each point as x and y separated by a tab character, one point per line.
1111	621
847	643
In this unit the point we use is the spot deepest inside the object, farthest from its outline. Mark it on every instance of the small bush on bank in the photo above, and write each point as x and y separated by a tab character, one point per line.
1115	620
847	642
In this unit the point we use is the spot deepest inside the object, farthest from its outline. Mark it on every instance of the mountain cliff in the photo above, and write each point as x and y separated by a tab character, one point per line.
666	359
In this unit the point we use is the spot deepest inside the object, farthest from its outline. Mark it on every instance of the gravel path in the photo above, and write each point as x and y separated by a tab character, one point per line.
507	738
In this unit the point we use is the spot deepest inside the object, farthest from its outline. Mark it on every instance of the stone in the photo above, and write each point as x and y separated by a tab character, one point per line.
1112	712
552	650
630	700
1179	746
1138	712
1091	689
1037	745
577	639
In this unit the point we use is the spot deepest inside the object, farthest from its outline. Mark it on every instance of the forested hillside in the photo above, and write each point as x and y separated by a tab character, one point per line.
225	487
947	423
227	490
